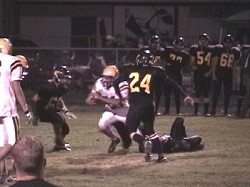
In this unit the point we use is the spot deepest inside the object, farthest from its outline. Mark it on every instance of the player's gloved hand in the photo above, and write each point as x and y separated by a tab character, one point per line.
70	115
29	116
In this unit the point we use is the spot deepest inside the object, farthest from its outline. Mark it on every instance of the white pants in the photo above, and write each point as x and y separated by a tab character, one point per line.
108	118
9	130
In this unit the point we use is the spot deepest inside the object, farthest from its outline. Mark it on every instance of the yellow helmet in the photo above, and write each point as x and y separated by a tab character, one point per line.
5	46
23	60
110	71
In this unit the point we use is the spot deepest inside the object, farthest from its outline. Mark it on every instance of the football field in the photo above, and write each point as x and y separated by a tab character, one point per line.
225	160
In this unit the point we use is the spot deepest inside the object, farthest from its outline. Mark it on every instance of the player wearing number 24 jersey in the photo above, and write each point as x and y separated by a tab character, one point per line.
142	77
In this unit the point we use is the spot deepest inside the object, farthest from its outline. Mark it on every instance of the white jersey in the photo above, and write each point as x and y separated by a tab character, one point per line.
110	93
10	70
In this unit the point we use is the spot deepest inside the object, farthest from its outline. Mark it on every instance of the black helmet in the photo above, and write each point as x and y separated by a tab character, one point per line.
204	39
179	41
145	57
228	38
204	36
61	72
155	39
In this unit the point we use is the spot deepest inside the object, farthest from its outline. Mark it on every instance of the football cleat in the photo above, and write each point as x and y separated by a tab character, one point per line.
64	147
113	145
161	159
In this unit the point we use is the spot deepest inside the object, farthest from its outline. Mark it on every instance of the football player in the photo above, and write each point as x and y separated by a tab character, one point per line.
141	77
116	106
175	141
158	53
176	59
225	60
10	78
244	100
49	106
200	59
242	87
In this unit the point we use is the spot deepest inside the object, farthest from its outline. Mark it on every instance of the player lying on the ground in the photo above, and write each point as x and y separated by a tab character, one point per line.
176	141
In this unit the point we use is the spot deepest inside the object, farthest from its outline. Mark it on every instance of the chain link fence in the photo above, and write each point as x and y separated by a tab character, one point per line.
85	65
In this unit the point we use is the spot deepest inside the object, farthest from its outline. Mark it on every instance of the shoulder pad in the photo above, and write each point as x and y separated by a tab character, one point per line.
161	49
236	49
169	47
158	67
219	46
185	51
211	46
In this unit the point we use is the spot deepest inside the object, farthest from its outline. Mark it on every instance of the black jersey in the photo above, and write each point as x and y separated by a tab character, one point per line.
175	60
226	59
142	81
203	58
158	56
50	97
244	48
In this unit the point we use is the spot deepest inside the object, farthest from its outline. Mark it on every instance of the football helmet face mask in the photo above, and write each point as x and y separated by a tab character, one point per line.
204	39
5	46
228	41
109	74
154	41
145	57
179	43
61	76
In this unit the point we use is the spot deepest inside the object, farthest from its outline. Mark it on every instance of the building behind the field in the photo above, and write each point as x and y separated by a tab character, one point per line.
86	24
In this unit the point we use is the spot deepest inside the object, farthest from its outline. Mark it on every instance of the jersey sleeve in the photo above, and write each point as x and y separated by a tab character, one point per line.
236	53
16	74
123	87
97	86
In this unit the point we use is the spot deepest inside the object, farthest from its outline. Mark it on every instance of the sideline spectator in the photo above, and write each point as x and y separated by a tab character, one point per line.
29	162
158	53
200	60
225	59
244	64
176	59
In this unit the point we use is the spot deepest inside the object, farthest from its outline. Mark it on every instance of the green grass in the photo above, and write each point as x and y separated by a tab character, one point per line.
225	161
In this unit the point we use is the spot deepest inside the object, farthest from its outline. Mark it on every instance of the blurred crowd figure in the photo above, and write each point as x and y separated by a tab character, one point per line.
244	92
119	55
